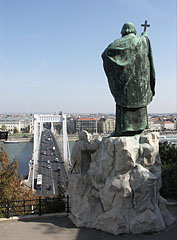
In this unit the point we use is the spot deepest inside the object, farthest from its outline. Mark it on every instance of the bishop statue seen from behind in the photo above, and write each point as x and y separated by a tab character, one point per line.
128	64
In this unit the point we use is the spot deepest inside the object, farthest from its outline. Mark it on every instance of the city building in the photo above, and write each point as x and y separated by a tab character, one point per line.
106	125
71	125
14	124
169	125
88	124
162	122
155	124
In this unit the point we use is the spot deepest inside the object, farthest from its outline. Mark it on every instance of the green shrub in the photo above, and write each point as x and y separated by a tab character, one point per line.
168	155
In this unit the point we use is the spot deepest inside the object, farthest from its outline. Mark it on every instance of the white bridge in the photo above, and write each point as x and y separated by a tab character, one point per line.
38	121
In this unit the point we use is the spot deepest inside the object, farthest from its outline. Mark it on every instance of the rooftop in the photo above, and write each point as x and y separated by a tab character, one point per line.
87	119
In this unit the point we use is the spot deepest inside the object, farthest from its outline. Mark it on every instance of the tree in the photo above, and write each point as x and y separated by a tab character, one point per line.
59	128
15	130
61	193
26	129
11	185
168	155
60	187
3	127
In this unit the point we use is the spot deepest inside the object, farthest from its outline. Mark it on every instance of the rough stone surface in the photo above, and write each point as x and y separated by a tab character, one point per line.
120	191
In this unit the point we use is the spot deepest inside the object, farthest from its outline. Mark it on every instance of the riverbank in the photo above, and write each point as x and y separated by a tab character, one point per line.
71	137
19	138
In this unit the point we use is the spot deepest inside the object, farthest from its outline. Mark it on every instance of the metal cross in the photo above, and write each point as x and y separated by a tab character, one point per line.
145	25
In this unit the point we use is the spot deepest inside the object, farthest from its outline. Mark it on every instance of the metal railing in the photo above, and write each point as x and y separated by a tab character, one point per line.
37	206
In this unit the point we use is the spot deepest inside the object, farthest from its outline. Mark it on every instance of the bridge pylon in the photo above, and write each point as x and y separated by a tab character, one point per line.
38	121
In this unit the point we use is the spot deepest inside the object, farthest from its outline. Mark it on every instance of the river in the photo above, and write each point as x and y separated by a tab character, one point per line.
22	152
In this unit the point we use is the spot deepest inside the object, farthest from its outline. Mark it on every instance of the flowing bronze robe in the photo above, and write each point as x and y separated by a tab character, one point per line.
128	64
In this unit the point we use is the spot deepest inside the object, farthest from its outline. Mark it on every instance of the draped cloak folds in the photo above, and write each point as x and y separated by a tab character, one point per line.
128	64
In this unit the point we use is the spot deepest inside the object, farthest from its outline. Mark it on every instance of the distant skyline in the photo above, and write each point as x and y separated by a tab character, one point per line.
50	53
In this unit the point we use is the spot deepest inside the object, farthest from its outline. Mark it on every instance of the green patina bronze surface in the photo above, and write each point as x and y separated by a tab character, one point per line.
128	64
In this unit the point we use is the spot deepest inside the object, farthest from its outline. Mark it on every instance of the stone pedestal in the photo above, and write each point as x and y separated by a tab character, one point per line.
120	191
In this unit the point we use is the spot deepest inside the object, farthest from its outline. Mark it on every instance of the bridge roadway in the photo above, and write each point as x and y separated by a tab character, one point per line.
50	171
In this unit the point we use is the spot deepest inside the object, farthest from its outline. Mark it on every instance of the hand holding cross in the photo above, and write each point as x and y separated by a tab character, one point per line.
145	25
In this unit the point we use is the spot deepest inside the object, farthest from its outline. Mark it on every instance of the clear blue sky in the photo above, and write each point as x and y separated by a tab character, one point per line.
50	53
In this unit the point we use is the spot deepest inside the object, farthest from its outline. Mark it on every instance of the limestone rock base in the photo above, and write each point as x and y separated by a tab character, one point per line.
120	192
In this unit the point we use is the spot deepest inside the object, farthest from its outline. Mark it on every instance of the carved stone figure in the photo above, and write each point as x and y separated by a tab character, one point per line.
81	153
128	64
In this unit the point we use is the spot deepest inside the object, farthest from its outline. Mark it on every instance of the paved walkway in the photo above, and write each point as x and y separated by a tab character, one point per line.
61	228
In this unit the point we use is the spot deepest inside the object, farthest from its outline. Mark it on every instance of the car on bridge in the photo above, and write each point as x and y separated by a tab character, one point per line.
43	153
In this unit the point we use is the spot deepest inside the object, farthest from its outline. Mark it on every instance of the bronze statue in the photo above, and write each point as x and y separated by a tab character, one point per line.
128	64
